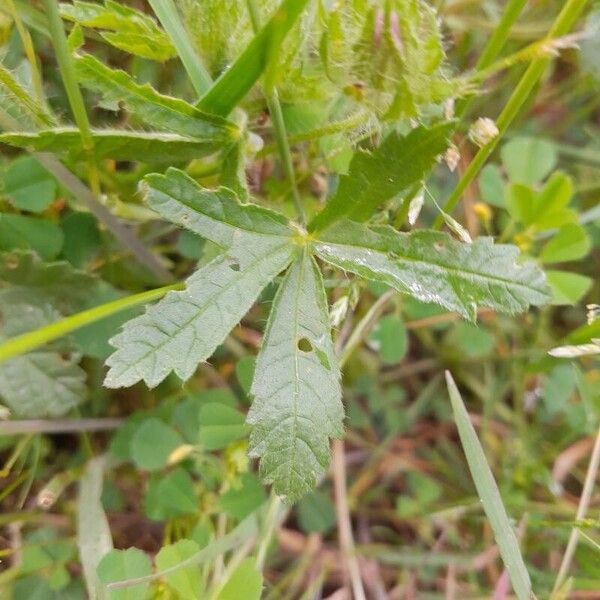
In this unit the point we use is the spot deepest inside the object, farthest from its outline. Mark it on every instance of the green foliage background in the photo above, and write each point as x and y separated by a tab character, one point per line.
261	185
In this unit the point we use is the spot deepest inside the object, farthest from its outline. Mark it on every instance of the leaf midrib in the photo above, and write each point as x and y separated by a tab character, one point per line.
220	290
288	238
453	270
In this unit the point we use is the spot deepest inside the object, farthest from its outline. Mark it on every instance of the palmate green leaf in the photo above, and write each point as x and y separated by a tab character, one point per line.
258	57
48	381
185	327
216	215
18	104
25	278
157	110
129	29
113	143
375	177
296	390
433	267
44	383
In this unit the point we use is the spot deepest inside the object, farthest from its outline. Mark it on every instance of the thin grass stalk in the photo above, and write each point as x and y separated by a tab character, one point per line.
584	503
561	26
167	14
69	78
34	339
279	128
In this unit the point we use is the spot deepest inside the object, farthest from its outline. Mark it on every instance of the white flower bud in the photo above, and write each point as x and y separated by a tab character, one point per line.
452	157
483	131
414	210
338	311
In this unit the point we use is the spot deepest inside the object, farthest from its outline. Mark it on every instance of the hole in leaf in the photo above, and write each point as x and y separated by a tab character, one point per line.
234	265
304	345
439	246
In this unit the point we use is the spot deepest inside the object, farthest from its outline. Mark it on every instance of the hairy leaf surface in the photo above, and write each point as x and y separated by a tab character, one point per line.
113	143
186	327
130	30
297	396
42	384
375	177
24	277
216	215
433	267
157	110
47	382
18	104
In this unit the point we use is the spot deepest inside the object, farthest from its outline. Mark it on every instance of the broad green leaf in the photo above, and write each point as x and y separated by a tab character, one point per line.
216	215
146	452
18	104
491	186
156	110
175	495
296	391
375	177
239	78
28	185
220	425
545	209
157	48
244	371
245	582
118	565
20	232
471	340
187	582
47	382
490	496
42	384
568	288
130	30
238	502
520	202
389	339
316	513
118	144
25	277
433	267
93	531
186	327
528	160
82	238
570	243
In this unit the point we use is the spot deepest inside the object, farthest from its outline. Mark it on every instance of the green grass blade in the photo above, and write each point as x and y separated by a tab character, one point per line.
34	339
490	496
236	81
166	12
94	539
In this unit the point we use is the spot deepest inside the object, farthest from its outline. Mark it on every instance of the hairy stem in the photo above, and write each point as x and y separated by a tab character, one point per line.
69	78
281	138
